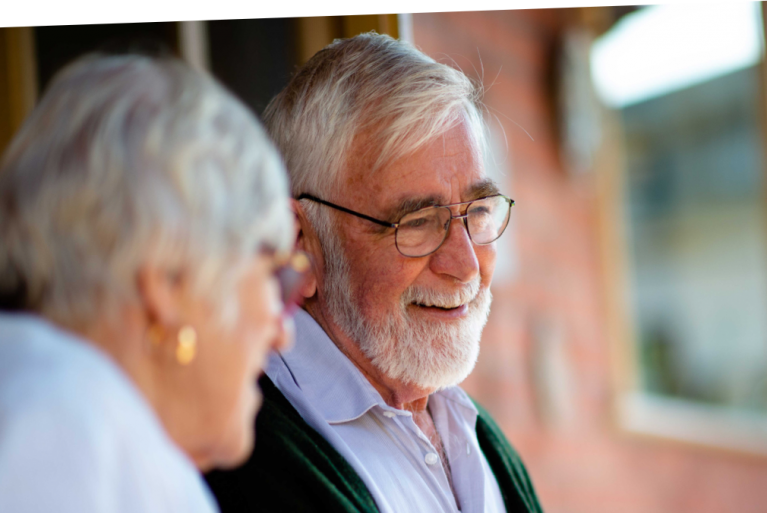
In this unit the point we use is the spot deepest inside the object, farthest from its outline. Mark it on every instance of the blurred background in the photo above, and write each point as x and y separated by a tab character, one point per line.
626	353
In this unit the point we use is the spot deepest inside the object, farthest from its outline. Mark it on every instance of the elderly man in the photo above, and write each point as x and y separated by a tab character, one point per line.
384	148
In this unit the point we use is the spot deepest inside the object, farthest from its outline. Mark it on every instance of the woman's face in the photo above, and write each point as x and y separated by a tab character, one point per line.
219	391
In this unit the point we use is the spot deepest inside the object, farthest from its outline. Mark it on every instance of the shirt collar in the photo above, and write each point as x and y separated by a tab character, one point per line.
326	377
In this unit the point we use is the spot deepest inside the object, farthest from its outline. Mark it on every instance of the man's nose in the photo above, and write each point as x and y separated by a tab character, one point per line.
456	257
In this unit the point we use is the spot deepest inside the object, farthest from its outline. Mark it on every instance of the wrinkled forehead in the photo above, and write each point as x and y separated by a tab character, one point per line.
447	169
371	154
379	142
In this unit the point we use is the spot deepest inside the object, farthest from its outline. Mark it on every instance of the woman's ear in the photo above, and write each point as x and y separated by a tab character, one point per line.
160	295
307	241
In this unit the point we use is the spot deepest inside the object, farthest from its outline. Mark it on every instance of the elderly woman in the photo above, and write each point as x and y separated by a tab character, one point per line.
142	210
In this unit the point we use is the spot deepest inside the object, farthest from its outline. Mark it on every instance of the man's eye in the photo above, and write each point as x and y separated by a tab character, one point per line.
415	223
480	210
418	223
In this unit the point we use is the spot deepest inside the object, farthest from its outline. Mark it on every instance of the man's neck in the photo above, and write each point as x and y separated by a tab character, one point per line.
395	394
398	395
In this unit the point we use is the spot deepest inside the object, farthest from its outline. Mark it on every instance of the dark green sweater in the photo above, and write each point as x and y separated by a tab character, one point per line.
294	469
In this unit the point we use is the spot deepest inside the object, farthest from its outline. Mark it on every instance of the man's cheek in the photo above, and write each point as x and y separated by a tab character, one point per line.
486	255
381	282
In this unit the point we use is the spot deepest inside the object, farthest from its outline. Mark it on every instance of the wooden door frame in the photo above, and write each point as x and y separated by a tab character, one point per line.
18	80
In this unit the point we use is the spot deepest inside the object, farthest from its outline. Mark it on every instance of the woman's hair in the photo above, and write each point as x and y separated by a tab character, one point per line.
127	161
370	84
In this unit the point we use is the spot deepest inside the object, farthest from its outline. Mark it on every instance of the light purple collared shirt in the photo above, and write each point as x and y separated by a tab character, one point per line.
384	445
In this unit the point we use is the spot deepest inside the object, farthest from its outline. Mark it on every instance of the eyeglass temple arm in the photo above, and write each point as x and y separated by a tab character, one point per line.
342	209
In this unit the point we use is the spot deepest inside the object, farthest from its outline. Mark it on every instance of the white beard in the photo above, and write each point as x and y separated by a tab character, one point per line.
428	354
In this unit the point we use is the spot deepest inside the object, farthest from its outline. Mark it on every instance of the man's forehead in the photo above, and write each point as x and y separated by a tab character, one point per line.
448	166
371	152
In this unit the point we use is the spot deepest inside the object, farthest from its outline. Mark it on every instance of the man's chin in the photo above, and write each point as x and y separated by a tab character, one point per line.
427	347
429	362
443	378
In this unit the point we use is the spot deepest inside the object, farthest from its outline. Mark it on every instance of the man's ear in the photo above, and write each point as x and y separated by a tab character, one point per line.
307	241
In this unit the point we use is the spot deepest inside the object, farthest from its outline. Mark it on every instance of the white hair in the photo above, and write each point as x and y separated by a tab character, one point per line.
369	84
130	160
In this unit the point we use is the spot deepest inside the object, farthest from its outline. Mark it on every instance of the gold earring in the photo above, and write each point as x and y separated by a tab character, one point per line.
187	345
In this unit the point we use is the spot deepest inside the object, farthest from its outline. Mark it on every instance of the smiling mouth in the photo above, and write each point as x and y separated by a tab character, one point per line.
436	307
442	304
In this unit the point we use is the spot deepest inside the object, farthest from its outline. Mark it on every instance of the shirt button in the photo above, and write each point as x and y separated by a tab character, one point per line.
389	414
431	458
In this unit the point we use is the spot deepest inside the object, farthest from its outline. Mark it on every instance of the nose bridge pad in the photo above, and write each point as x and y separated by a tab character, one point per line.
459	217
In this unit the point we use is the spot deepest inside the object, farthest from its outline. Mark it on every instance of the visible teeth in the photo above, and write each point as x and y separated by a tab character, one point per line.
444	307
428	298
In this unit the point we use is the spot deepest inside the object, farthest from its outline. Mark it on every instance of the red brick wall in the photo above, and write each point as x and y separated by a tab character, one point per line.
580	461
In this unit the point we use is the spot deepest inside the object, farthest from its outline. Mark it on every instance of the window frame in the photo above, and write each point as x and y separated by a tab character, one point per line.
636	411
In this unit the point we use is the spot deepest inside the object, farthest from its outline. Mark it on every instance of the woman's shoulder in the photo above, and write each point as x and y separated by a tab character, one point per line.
73	424
45	368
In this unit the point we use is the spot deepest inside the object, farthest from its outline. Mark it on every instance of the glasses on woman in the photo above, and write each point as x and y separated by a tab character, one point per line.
422	232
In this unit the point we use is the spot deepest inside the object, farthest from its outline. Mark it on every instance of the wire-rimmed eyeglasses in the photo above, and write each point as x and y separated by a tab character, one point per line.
422	232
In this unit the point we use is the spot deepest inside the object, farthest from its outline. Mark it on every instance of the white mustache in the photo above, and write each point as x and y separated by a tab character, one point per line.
429	297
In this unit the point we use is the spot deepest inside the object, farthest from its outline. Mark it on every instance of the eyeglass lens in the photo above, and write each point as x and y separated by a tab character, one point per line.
423	231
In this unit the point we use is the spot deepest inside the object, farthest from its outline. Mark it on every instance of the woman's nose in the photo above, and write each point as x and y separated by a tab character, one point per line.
286	330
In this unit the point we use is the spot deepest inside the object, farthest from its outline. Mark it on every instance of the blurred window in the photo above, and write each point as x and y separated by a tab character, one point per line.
686	81
697	233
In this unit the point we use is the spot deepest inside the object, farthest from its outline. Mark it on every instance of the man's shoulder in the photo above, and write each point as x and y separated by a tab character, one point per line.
293	468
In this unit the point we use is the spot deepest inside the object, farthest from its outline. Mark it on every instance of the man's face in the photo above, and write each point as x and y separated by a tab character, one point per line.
379	297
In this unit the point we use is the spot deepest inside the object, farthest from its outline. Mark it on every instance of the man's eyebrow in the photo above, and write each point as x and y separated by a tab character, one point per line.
486	187
408	205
